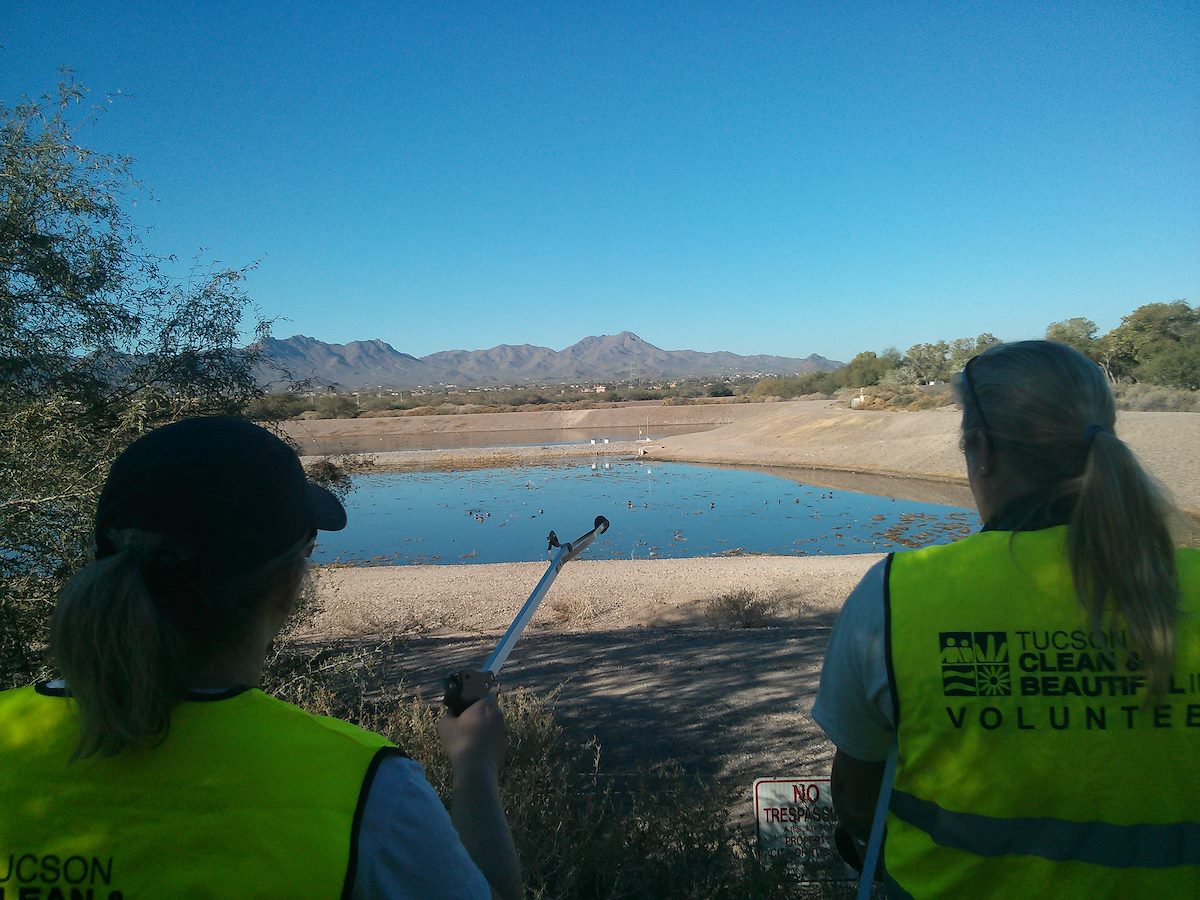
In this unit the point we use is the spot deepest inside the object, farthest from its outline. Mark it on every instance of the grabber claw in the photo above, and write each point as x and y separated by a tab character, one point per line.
465	687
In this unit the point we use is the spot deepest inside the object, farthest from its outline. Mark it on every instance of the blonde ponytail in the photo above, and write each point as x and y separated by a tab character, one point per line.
129	628
1122	555
121	657
1050	411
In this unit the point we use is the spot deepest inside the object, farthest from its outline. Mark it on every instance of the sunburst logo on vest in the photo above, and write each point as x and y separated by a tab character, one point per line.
975	664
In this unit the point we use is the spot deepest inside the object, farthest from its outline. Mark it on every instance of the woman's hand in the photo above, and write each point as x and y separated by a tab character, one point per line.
476	741
476	737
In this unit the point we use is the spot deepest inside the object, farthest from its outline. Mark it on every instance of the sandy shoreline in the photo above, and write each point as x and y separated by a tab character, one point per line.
589	594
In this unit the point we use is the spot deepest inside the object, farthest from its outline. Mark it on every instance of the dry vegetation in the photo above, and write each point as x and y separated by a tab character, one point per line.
580	832
909	398
574	610
1156	398
741	609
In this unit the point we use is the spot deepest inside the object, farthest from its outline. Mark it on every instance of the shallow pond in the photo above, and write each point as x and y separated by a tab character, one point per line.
664	510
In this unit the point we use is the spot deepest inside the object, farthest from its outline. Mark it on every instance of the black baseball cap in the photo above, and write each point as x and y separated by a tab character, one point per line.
225	492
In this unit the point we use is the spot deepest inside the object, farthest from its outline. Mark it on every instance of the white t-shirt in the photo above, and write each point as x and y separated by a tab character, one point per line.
854	700
407	845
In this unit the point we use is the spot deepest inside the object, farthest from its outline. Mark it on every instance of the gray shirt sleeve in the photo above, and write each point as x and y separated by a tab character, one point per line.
407	845
854	701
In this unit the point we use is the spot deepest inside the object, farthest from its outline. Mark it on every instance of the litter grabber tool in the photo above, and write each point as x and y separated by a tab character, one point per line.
464	688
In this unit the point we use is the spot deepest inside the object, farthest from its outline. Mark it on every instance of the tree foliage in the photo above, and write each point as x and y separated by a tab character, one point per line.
868	367
929	363
1158	343
99	342
1079	333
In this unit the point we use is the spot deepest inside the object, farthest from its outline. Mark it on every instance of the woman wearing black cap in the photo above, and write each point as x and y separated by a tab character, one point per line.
156	768
1036	686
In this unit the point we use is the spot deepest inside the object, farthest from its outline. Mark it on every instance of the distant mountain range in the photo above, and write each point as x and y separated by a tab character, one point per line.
623	356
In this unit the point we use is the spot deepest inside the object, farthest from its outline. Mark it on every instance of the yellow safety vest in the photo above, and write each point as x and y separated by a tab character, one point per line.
1030	762
246	797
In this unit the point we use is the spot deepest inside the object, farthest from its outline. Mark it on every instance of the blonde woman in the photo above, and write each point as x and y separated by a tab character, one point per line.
1037	685
156	768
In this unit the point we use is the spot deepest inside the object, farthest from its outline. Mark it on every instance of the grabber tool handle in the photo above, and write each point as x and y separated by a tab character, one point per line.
465	687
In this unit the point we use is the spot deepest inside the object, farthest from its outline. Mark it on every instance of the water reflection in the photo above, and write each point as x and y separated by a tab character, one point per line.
661	510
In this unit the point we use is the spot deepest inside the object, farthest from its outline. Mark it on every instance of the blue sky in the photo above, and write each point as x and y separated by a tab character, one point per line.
785	178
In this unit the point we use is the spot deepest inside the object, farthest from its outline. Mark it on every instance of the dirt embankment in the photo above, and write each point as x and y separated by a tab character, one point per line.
809	434
917	444
310	431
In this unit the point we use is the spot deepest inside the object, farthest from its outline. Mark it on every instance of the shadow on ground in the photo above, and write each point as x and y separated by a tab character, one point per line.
727	703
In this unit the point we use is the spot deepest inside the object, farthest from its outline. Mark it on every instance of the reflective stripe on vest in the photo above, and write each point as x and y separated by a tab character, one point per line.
246	797
1030	760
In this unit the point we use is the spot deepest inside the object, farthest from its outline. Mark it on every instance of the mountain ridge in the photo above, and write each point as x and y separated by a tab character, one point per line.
623	356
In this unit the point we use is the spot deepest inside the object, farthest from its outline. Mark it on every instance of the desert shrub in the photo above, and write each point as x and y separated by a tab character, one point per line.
580	832
721	401
908	398
335	406
1156	398
336	472
794	386
569	610
390	412
276	407
740	609
899	377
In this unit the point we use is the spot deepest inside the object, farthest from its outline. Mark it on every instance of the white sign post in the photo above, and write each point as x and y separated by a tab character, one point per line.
796	820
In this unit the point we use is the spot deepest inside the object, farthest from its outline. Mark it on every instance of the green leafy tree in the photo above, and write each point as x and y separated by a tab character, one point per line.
1158	343
985	340
929	362
868	367
1174	365
98	343
962	349
1079	333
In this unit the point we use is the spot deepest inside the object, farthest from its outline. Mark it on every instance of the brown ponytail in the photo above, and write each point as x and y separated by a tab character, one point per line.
1050	410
